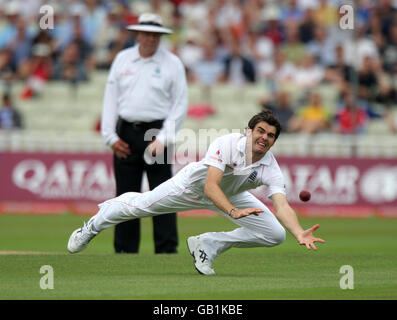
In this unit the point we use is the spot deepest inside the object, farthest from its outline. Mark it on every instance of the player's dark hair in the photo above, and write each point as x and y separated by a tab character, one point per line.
268	117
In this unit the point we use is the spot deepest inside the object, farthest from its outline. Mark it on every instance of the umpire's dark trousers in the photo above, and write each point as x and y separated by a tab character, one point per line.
128	174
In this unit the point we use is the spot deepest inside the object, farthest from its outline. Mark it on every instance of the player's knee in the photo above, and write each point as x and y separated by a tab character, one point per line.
278	235
274	237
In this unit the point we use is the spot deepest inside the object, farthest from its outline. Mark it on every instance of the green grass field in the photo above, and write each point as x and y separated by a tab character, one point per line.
288	271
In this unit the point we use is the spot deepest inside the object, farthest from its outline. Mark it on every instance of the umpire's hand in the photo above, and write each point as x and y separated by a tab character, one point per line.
156	148
121	149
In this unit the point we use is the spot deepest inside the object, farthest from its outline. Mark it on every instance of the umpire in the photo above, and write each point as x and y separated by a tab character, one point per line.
146	89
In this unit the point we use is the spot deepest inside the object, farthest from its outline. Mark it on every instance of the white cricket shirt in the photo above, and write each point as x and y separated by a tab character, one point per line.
228	154
145	89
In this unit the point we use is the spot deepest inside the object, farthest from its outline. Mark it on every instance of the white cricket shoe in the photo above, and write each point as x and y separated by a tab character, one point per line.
201	260
80	238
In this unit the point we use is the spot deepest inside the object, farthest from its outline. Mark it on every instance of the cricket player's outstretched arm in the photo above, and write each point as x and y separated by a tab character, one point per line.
213	191
288	218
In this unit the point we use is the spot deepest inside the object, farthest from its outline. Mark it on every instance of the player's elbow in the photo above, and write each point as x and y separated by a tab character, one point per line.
208	189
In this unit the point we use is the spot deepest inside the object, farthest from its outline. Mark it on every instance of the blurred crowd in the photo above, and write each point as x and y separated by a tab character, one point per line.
288	45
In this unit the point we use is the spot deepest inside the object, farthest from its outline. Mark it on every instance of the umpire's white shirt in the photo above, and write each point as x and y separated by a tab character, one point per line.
145	89
228	154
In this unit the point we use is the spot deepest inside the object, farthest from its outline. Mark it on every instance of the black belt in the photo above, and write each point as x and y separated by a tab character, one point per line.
142	126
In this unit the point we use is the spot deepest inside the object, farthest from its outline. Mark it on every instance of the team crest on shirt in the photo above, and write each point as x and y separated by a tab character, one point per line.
253	176
157	72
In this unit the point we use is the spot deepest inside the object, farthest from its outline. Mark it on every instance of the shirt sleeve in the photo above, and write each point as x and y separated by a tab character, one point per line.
216	155
274	180
179	96
109	108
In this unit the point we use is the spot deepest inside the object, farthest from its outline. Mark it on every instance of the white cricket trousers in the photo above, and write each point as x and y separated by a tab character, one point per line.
254	231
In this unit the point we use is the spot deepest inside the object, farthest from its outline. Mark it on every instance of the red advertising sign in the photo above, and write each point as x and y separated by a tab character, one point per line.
56	176
339	186
52	183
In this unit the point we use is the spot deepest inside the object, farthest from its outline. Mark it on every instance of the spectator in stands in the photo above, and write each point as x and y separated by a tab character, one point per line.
308	74
291	12
326	14
293	49
345	36
69	67
280	71
363	46
194	12
367	78
307	26
340	73
281	107
308	4
259	27
253	15
373	25
9	30
229	17
63	27
177	38
208	71
312	118
84	48
322	47
372	83
122	41
191	52
273	28
44	36
108	31
238	69
7	70
389	52
92	20
364	12
76	60
351	118
391	120
10	118
164	9
386	11
261	48
129	14
21	45
38	71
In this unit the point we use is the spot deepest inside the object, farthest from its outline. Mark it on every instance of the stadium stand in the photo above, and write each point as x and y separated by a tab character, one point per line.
64	115
67	123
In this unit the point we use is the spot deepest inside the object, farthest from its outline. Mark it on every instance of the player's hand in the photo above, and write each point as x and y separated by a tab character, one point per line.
121	149
155	147
307	238
240	213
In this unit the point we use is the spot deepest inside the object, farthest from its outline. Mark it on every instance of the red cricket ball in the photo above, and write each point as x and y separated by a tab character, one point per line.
304	195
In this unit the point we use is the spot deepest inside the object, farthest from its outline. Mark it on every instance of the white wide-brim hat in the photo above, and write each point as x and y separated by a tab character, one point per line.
149	22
